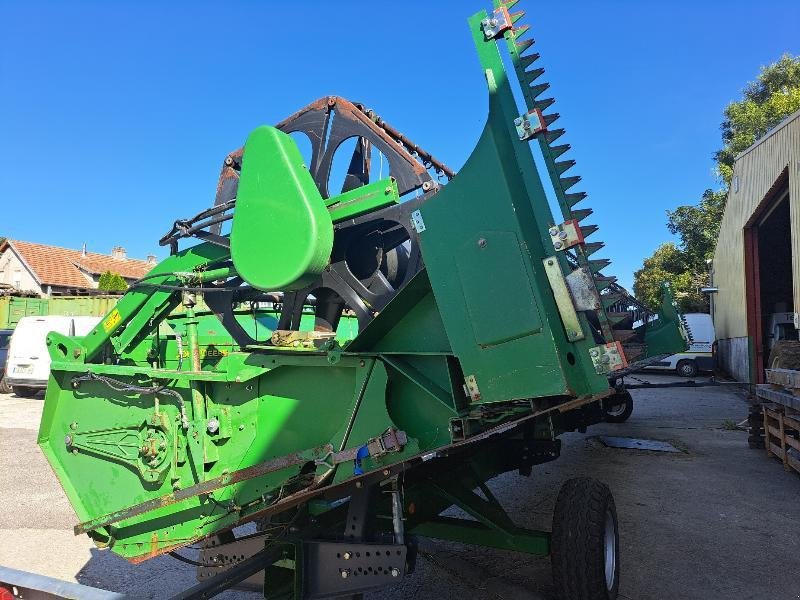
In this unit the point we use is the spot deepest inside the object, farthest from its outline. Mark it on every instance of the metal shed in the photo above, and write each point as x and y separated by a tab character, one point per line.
756	266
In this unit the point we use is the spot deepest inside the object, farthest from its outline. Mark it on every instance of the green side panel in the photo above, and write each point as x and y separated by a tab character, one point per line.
282	234
511	289
421	392
667	334
299	403
410	323
485	235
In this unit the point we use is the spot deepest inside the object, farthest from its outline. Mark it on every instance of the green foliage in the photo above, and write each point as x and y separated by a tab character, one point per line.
669	263
765	103
112	282
697	227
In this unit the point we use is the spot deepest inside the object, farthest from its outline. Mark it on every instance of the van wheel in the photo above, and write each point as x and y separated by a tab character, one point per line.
617	408
23	391
585	542
686	368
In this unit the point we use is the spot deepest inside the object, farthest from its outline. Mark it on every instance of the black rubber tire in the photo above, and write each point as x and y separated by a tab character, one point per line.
686	368
578	553
611	410
24	391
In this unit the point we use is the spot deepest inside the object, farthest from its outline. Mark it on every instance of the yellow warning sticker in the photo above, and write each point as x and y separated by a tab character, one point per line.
111	321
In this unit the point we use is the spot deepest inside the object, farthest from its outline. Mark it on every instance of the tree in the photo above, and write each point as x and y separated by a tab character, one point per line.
668	263
112	282
697	227
765	103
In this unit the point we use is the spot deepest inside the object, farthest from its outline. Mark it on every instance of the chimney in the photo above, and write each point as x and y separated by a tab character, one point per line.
83	251
151	259
118	252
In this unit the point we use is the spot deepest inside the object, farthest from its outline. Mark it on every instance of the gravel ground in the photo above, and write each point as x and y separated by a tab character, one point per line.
717	520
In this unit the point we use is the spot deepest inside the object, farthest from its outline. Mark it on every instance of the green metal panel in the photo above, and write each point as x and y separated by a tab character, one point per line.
13	308
78	306
363	199
668	334
491	292
280	215
499	190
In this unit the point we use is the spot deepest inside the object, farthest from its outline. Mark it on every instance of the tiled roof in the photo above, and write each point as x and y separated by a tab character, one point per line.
60	266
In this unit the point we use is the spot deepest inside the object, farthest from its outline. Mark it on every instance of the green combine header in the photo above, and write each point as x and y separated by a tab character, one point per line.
341	366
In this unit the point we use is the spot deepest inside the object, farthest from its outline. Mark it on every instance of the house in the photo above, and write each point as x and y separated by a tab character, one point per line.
756	265
52	271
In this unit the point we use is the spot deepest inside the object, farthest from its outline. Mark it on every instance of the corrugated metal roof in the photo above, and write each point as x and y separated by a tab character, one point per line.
769	134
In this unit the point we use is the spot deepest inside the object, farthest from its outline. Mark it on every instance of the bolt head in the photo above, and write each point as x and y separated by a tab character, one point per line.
345	573
517	121
553	231
68	440
395	572
549	263
347	556
213	425
563	235
482	243
558	245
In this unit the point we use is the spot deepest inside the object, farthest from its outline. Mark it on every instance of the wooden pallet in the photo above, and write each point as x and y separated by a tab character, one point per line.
782	435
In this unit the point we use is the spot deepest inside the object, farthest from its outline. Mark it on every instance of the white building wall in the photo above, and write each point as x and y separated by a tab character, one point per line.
14	272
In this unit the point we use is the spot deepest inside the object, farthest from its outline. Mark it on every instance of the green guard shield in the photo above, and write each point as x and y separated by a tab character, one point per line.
282	234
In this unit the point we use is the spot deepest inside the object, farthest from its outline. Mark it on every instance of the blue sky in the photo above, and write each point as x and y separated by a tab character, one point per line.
115	116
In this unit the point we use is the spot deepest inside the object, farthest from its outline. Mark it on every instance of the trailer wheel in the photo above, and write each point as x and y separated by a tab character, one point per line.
585	542
687	368
617	408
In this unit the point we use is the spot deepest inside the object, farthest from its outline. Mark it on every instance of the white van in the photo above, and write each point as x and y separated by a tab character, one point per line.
699	356
28	366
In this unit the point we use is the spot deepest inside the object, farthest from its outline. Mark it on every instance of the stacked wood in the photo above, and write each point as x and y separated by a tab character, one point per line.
782	435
